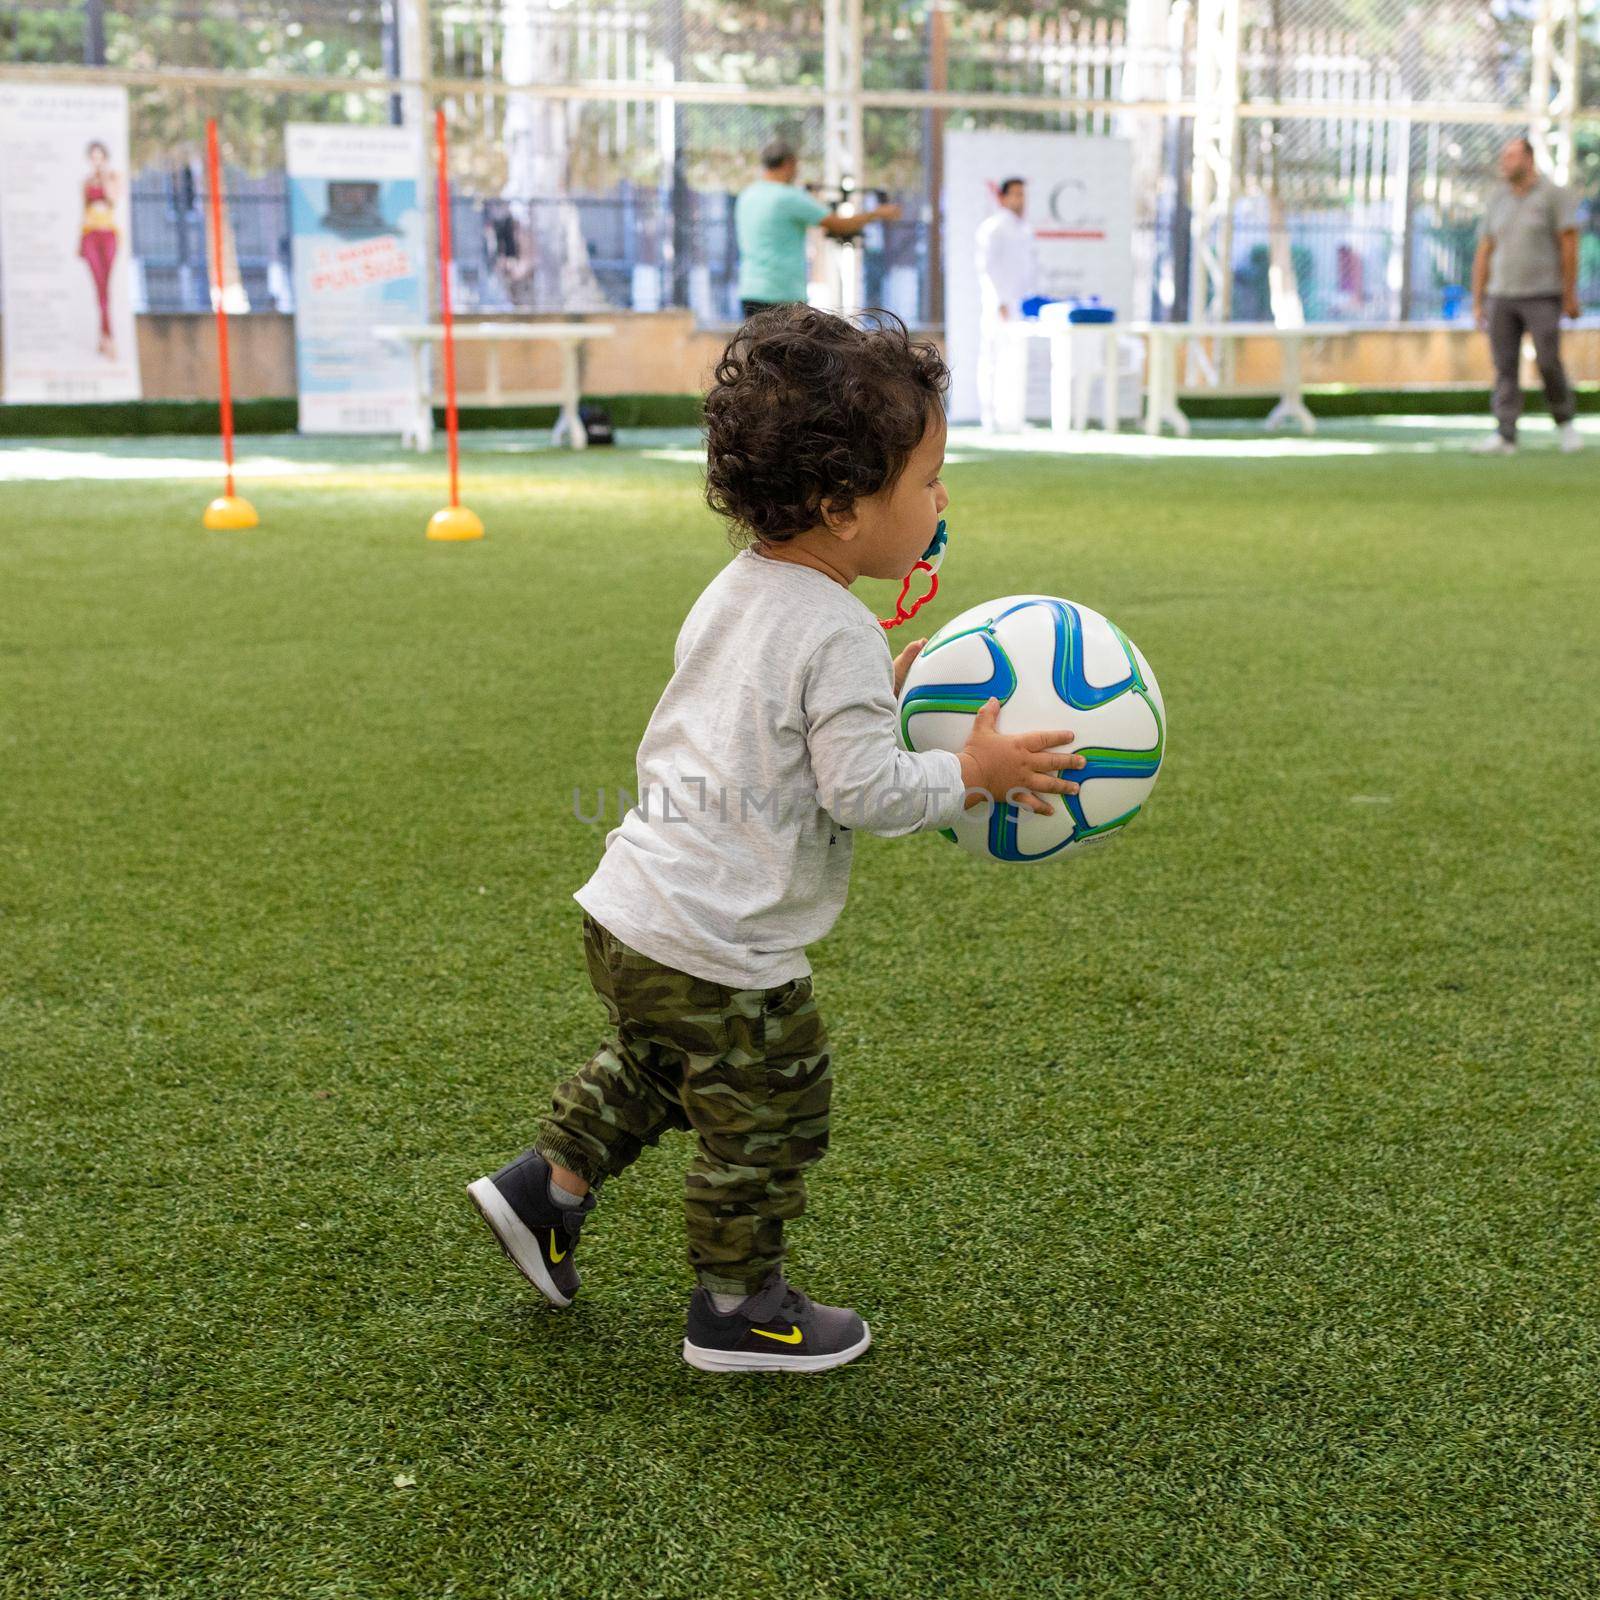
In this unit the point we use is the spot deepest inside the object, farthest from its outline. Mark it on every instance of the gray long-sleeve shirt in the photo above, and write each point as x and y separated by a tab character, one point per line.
774	738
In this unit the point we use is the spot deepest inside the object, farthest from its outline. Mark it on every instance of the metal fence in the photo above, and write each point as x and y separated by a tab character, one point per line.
648	251
597	142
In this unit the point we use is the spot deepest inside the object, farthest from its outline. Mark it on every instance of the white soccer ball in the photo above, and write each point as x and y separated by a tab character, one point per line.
1051	664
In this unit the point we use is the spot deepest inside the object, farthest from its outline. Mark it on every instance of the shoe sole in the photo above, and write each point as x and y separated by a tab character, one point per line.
752	1361
521	1248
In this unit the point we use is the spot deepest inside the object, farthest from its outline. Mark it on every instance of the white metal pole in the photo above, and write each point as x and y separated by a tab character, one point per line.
1553	85
842	134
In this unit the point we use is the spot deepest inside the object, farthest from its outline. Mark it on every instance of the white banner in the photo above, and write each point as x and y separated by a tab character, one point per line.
66	306
1080	208
356	228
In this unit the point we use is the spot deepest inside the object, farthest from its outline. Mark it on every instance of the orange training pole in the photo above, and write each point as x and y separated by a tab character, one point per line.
228	511
219	305
440	139
455	522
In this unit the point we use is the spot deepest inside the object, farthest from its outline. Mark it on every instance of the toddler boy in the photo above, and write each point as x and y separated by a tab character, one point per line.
774	738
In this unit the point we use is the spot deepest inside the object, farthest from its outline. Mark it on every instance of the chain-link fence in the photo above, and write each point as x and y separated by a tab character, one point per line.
602	144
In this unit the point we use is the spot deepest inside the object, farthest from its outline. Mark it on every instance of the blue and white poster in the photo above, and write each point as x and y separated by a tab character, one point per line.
357	244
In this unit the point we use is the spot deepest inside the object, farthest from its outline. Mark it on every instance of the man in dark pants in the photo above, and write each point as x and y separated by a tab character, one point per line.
770	219
1524	280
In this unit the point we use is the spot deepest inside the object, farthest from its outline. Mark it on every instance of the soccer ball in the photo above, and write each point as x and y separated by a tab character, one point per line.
1051	664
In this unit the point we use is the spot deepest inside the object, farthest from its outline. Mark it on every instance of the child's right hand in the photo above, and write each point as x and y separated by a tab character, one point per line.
1019	767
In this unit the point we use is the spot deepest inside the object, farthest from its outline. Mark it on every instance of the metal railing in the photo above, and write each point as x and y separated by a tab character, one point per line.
640	254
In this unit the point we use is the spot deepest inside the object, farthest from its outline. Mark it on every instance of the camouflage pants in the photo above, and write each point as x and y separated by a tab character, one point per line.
747	1071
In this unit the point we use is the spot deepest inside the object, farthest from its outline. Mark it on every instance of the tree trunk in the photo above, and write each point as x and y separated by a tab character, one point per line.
1282	287
553	271
1145	43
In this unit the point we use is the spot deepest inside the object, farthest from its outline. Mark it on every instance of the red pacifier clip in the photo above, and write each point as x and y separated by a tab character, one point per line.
930	562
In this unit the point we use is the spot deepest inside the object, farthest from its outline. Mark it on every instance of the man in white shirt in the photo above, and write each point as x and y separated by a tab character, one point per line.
1008	272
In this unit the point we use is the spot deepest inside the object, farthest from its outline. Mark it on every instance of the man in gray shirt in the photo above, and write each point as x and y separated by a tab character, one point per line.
1524	280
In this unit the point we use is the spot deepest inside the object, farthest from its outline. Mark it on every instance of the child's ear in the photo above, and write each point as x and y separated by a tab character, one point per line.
841	524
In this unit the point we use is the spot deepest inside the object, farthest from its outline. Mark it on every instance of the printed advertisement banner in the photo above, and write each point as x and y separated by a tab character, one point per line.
1080	208
66	290
357	242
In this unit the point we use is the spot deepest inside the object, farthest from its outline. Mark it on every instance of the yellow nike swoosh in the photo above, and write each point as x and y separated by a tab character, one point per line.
791	1337
555	1255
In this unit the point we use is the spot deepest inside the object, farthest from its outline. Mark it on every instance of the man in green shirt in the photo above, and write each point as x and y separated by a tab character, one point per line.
770	219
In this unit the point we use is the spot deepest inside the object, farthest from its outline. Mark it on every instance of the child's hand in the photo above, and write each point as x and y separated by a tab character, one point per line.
902	664
1014	766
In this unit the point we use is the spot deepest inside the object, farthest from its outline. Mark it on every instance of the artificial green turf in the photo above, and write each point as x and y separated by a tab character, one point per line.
1223	1203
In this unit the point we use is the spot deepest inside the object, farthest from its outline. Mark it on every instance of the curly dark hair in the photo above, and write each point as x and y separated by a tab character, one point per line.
809	410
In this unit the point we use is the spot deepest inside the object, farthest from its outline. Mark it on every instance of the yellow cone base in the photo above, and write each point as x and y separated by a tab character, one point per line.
230	511
455	523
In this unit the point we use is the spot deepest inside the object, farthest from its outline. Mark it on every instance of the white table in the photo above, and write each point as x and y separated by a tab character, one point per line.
1072	364
1162	342
569	335
1073	347
1164	339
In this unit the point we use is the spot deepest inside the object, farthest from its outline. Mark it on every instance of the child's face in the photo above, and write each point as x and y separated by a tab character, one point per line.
894	526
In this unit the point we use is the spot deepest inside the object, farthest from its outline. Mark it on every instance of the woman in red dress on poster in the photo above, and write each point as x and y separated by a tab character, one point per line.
99	243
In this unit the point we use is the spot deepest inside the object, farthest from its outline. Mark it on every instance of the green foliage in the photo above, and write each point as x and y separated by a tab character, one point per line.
308	41
45	35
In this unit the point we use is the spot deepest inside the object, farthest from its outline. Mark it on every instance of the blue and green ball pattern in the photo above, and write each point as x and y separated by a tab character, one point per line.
1074	691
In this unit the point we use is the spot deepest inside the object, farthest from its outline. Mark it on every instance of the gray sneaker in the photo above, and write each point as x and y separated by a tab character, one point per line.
777	1329
538	1235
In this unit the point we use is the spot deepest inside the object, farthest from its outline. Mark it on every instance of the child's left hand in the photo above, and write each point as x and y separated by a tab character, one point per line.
902	664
